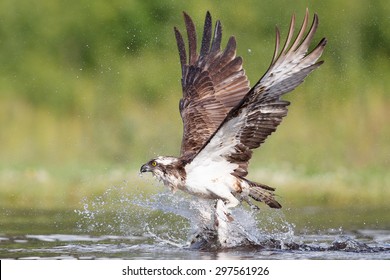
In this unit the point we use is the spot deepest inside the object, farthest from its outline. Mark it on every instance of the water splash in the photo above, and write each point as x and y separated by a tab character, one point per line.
180	220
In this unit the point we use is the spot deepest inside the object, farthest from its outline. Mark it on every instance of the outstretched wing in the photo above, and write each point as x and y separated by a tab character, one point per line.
213	83
260	112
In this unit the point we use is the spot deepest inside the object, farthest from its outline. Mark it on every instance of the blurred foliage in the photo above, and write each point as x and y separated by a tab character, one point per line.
95	84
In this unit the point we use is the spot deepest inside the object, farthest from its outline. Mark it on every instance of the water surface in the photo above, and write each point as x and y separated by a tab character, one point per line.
161	226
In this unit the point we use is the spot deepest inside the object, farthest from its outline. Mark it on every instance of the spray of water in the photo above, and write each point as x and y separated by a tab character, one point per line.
183	221
179	220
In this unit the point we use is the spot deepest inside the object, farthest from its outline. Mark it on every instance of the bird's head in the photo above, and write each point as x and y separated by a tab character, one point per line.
158	166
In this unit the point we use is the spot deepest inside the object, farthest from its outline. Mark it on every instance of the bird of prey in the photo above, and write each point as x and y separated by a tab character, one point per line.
224	119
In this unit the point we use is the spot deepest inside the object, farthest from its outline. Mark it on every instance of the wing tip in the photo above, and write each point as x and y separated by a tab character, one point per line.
186	15
180	46
277	43
323	42
206	37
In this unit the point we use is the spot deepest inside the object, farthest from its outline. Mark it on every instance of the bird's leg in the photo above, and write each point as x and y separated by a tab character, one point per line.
222	223
244	197
218	234
222	214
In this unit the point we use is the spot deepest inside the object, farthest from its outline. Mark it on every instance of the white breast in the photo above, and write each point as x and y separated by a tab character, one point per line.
210	179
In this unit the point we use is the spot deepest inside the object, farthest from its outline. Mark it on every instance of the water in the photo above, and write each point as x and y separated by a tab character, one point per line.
163	225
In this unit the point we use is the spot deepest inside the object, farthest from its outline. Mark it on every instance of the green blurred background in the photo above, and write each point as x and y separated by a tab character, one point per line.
89	91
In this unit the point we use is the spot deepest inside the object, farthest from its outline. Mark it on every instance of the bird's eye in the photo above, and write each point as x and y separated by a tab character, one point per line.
154	163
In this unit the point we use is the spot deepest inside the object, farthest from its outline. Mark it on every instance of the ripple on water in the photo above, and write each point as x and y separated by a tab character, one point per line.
163	225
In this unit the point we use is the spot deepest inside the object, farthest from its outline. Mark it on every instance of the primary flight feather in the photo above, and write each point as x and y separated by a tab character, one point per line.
224	119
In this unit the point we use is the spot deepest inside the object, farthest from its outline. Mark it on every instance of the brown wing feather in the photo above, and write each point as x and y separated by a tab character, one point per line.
263	106
259	113
213	82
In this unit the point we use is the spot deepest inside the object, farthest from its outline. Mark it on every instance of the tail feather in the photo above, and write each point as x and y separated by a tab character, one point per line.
260	192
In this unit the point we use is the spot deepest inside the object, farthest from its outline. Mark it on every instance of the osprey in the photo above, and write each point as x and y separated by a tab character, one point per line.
224	119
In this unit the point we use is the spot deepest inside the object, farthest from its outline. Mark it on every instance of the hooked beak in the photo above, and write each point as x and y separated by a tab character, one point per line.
145	168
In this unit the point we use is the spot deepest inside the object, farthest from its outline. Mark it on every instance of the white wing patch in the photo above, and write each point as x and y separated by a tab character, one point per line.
210	172
222	143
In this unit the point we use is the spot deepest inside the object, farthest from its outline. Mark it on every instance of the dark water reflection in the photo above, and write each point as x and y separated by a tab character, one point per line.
155	234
